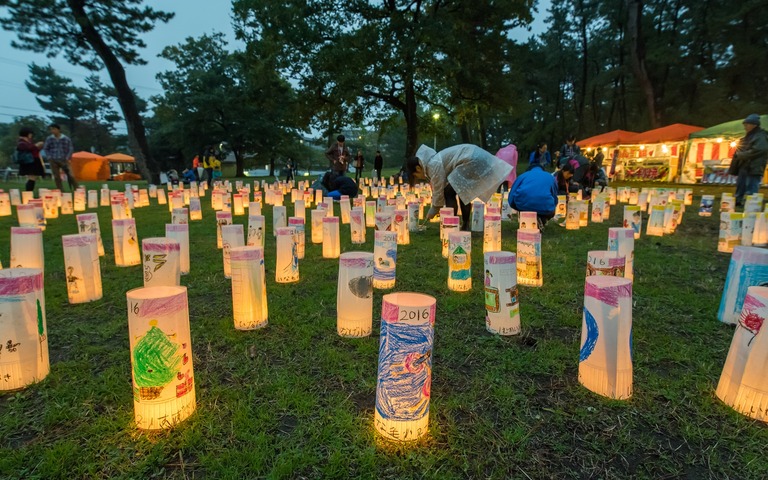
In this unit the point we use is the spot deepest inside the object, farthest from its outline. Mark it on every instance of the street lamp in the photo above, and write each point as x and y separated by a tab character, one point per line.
435	117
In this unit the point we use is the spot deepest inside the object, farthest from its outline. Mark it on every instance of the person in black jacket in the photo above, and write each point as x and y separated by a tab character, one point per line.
378	162
750	159
338	185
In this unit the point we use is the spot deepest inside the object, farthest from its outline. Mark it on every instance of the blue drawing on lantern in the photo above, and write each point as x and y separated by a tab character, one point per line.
384	267
749	276
592	334
631	346
405	371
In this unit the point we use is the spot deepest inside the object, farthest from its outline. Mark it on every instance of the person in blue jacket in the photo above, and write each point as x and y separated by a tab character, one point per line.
535	191
540	156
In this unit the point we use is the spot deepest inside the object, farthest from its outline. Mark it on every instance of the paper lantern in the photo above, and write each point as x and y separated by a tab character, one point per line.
26	216
727	203
730	231
357	225
118	209
279	218
317	217
22	328
26	196
125	242
400	226
445	212
255	236
195	211
748	268
622	241
413	216
529	271
249	293
39	213
605	357
502	307
370	213
354	295
605	263
180	233
448	224
180	216
162	267
331	247
27	248
231	236
572	217
299	209
459	261
50	206
93	199
383	221
476	217
161	356
81	267
345	209
287	259
79	200
760	233
582	206
492	233
237	204
403	386
15	196
633	218
743	383
5	204
384	259
89	223
222	218
527	220
297	223
598	207
254	208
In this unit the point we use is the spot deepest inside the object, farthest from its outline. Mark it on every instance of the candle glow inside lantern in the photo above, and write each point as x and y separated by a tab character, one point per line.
492	234
605	262
748	268
357	225
26	215
255	236
748	228
5	204
222	218
502	307
730	231
400	226
345	209
529	270
331	245
354	295
572	216
237	204
231	236
384	259
760	232
605	357
81	268
162	267
89	223
27	248
287	259
403	386
50	206
79	200
300	210
180	233
460	261
527	220
254	208
633	218
249	292
22	328
195	210
125	242
161	356
743	383
598	207
622	241
317	216
297	223
383	221
370	213
476	216
180	216
448	224
279	218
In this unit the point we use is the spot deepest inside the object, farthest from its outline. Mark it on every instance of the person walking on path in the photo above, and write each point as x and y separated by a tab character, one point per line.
58	151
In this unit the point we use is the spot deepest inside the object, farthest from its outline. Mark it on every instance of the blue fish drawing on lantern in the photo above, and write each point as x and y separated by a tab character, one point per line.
384	267
749	276
592	334
405	370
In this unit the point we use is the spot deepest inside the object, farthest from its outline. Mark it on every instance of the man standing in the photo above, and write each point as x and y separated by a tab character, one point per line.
378	162
749	161
338	156
58	151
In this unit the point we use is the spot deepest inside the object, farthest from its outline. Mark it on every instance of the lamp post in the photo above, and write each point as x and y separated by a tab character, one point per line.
435	117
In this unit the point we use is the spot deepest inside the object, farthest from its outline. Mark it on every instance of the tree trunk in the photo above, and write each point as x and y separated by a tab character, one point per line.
239	162
136	134
584	69
637	51
411	121
464	131
272	165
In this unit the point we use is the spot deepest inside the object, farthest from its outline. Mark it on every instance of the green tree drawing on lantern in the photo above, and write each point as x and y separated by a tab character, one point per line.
155	362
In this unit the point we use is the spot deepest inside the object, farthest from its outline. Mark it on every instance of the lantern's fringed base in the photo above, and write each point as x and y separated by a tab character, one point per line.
616	385
152	415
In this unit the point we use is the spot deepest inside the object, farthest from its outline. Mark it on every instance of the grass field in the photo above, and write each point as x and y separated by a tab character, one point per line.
294	400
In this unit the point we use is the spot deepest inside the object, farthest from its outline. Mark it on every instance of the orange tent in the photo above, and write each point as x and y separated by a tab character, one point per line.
609	139
120	158
677	132
89	166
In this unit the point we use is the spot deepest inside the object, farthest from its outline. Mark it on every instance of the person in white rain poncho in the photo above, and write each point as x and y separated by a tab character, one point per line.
464	170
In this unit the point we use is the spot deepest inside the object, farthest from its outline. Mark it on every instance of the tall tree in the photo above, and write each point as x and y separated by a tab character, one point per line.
93	34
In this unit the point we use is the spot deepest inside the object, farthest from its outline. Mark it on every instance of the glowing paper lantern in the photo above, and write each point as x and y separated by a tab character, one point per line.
222	218
125	242
81	267
748	268
279	218
50	206
656	221
743	383
357	225
180	216
529	270
400	226
180	233
249	292
605	357
254	208
299	210
448	224
460	261
730	231
79	200
476	217
297	223
161	356
345	209
492	233
528	220
118	209
354	295
27	248
195	211
727	203
15	197
5	204
633	218
598	207
22	328
502	307
255	237
26	216
89	223
572	217
26	197
331	247
231	236
760	233
161	262
161	200
317	225
384	259
93	199
413	216
370	213
384	221
287	263
403	386
237	204
605	263
39	214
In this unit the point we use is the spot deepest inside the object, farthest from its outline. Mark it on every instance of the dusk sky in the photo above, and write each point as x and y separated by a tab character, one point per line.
193	18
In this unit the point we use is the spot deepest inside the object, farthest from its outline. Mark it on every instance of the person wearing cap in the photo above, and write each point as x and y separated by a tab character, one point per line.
750	159
465	170
338	155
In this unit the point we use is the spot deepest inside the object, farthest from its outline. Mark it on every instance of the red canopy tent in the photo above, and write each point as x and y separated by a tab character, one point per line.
677	132
609	139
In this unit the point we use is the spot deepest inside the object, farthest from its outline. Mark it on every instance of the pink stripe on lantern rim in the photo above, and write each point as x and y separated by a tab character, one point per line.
223	215
385	236
20	281
25	207
85	217
176	227
451	220
492	218
528	236
286	231
390	312
492	211
357	215
356	260
500	258
751	300
617	232
124	222
161	306
37	202
160	245
331	220
295	221
26	231
78	240
608	289
246	254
